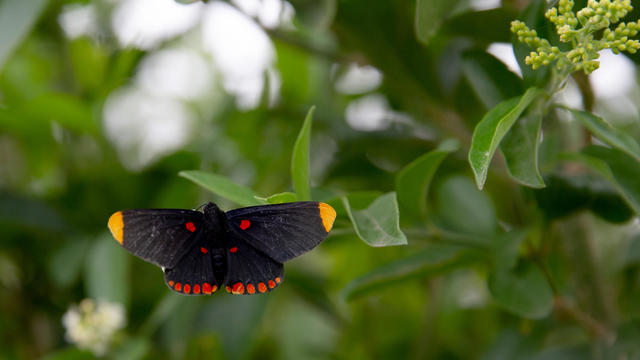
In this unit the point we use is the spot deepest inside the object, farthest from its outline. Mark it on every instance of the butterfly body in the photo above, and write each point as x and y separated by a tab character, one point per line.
242	250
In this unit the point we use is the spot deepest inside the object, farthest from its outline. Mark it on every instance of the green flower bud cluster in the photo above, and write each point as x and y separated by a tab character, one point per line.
579	29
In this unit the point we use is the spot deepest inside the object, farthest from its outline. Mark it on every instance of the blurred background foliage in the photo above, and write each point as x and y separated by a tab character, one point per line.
103	103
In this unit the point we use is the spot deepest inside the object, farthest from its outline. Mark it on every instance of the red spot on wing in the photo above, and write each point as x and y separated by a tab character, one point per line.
190	226
251	289
233	249
206	288
262	287
214	288
178	287
272	284
196	289
187	288
244	224
171	283
228	289
203	250
278	280
238	288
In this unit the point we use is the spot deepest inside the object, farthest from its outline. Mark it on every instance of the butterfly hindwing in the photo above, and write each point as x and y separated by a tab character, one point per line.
283	231
159	236
193	274
249	271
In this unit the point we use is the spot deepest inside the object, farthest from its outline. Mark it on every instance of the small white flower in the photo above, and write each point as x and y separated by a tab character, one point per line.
91	325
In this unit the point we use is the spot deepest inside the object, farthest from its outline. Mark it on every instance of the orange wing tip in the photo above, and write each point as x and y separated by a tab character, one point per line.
328	215
116	226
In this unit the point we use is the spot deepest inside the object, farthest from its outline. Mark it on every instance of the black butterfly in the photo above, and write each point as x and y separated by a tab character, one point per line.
242	250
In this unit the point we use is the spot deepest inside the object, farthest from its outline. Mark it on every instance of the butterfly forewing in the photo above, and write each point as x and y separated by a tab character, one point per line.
283	231
159	236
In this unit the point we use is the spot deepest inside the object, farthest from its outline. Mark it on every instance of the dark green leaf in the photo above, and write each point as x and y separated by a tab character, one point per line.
432	261
300	159
222	186
107	271
492	128
378	224
524	292
520	149
461	207
505	249
66	263
430	14
607	133
16	19
412	182
620	169
490	78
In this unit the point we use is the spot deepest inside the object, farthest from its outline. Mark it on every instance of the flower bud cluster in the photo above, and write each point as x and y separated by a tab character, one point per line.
579	29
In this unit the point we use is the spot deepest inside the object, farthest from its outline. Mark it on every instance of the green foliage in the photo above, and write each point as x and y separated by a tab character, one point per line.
541	263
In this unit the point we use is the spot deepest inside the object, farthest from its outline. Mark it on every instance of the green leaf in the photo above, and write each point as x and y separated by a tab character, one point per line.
107	271
520	149
300	159
607	133
505	249
66	263
412	182
434	260
462	208
378	224
222	186
492	128
620	169
430	14
17	17
279	198
524	292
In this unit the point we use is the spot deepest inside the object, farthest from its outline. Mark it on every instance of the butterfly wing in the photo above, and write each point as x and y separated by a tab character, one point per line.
282	231
159	236
193	274
249	271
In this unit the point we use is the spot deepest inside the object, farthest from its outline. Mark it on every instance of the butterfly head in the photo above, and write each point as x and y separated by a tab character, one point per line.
213	213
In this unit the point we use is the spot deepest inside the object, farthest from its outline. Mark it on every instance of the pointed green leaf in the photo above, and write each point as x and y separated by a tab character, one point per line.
430	14
520	149
222	186
492	128
279	198
378	224
607	133
412	182
524	292
300	159
620	169
432	261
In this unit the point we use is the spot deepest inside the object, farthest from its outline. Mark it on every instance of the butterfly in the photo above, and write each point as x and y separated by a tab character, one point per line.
242	250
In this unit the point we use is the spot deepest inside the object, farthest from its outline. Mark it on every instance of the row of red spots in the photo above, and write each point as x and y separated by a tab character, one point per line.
244	224
239	288
186	288
190	226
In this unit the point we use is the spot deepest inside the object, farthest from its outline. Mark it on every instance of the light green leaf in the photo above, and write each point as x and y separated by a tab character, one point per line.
430	14
65	266
16	19
300	159
492	128
379	224
107	271
620	169
524	292
520	149
432	261
607	133
279	198
505	249
412	182
222	186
